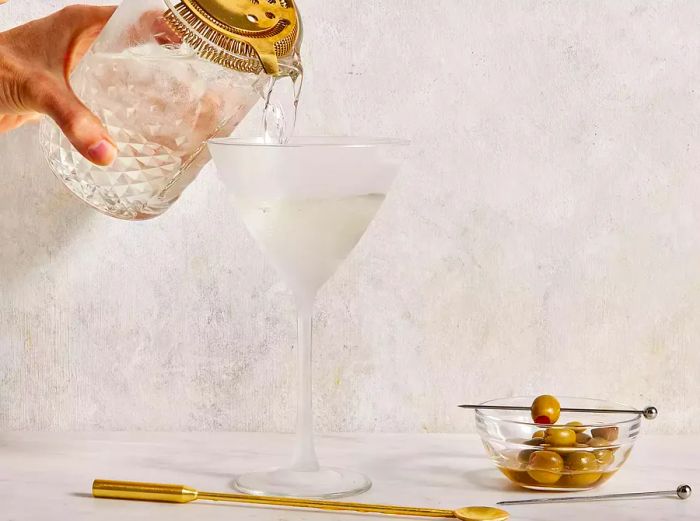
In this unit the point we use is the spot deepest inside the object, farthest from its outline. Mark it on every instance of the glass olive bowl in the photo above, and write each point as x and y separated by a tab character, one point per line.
543	457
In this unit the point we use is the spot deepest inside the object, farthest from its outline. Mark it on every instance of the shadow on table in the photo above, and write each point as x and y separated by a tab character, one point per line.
200	464
490	479
437	468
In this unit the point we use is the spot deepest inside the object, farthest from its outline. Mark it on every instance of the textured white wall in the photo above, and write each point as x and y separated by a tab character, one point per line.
543	238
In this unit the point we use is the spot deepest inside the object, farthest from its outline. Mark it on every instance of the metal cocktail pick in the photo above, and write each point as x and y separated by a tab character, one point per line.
183	494
649	412
683	492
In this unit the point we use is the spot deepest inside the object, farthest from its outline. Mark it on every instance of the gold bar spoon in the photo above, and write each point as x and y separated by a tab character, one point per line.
183	494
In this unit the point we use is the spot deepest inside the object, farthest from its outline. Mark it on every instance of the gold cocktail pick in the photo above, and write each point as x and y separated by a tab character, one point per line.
183	494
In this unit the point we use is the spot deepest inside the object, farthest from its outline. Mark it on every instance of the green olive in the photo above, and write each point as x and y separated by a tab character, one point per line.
545	410
545	466
539	434
582	437
576	426
598	442
535	442
560	437
585	469
581	480
524	455
604	457
582	461
607	433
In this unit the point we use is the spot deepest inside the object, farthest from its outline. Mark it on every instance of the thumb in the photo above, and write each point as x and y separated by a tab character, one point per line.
82	128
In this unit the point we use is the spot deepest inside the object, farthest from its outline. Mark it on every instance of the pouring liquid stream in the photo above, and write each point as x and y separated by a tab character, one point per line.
281	96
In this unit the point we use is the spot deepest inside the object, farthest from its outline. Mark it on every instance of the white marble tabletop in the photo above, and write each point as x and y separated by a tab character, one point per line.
47	476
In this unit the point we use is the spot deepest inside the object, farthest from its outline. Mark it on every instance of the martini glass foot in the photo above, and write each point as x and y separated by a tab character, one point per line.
327	483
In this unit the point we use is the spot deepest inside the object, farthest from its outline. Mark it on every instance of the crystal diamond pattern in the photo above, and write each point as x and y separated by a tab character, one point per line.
159	106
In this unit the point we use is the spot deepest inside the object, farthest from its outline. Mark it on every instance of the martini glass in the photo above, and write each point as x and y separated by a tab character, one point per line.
307	203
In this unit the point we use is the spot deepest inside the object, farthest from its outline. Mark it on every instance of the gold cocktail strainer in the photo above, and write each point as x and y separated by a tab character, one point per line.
245	35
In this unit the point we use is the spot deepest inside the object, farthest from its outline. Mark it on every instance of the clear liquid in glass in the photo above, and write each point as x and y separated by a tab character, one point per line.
307	239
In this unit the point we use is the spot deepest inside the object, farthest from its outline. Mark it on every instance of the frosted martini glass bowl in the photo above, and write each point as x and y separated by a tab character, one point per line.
307	203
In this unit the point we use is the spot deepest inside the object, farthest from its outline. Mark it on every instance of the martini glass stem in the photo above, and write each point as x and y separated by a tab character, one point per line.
305	458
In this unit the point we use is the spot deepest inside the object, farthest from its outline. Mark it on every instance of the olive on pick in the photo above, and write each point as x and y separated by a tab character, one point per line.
545	410
545	466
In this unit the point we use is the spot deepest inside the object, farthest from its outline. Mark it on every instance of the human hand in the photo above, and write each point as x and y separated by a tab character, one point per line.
36	60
